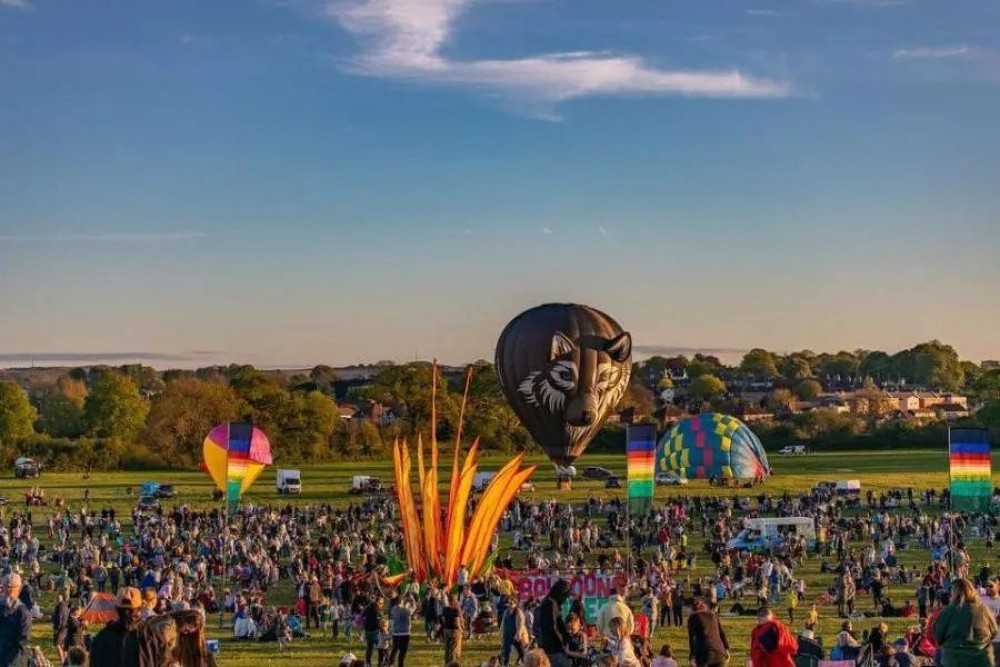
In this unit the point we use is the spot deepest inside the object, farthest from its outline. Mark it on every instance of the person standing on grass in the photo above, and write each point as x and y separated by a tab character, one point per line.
60	617
771	642
117	645
470	610
513	632
965	629
372	626
552	631
706	638
401	625
452	624
15	623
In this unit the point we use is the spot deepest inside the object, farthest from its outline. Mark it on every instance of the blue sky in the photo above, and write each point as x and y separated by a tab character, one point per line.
286	182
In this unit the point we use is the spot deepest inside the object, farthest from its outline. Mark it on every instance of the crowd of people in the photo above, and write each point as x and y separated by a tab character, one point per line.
169	570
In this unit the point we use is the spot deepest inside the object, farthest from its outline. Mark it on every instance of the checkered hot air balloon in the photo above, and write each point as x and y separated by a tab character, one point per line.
712	445
235	455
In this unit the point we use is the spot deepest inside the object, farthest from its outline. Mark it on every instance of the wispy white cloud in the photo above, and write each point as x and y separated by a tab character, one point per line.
764	12
933	52
602	231
14	4
547	231
151	237
404	39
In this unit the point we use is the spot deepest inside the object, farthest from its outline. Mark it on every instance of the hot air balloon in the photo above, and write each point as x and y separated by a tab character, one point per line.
235	455
711	445
563	368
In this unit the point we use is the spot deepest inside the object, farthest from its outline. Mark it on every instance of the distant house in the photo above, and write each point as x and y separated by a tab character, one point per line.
752	413
373	412
347	411
906	401
951	411
990	365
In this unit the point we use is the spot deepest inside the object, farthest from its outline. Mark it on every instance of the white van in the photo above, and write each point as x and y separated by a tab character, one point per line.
767	534
483	479
289	481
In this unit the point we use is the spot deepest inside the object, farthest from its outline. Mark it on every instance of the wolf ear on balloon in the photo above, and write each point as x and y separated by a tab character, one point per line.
561	345
620	348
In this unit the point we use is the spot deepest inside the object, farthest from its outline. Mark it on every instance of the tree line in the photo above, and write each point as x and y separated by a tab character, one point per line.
132	416
135	416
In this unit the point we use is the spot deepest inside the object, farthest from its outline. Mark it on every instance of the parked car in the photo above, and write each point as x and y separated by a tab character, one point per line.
597	472
25	467
3	501
166	491
612	483
670	479
793	450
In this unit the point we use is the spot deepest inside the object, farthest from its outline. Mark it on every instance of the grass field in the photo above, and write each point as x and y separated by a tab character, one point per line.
329	483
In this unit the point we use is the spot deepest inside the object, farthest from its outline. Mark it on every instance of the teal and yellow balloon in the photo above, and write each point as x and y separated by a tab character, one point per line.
712	445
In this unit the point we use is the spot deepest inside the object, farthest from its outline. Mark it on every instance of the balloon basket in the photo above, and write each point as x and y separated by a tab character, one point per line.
564	484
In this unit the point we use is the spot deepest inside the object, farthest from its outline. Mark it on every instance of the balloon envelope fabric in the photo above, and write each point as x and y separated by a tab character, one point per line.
971	474
235	455
712	445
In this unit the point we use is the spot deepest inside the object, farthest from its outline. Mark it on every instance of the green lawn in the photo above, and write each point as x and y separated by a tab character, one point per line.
329	483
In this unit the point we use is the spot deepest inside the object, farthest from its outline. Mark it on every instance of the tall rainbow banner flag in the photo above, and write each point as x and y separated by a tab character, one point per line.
641	452
971	473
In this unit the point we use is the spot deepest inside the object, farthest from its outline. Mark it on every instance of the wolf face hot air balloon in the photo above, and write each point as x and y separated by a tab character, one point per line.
235	455
563	369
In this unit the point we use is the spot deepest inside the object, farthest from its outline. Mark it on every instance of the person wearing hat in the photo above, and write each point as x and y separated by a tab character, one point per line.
117	645
15	623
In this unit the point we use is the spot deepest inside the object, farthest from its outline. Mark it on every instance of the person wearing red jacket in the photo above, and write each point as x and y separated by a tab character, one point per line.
771	643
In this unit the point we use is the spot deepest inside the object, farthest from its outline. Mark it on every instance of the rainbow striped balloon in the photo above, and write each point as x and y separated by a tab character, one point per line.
641	451
235	455
971	470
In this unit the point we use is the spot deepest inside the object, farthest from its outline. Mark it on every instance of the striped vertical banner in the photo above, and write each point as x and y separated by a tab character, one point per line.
641	452
971	472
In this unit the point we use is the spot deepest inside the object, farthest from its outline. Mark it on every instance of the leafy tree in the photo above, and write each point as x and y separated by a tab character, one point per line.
759	363
307	427
145	377
181	417
808	390
324	376
114	408
878	365
17	416
60	408
706	388
58	416
876	404
936	365
795	367
780	399
987	386
843	365
971	373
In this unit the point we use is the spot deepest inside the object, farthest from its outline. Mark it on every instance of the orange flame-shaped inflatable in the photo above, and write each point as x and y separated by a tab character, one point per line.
439	543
